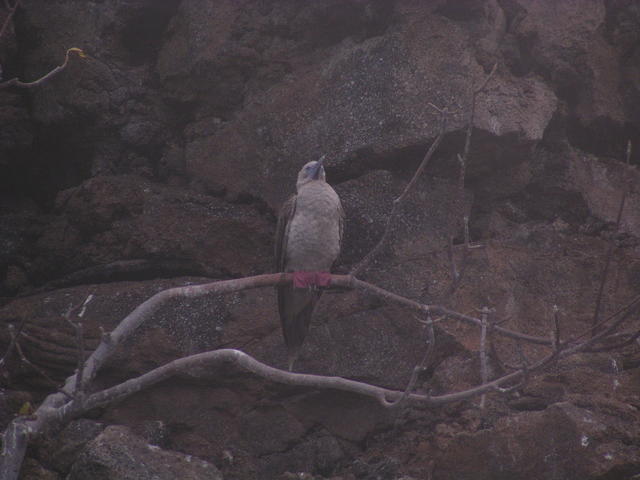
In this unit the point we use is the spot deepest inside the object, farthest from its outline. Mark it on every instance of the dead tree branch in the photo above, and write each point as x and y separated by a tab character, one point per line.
14	333
611	248
58	408
396	203
16	82
23	358
421	366
77	326
7	20
484	370
457	272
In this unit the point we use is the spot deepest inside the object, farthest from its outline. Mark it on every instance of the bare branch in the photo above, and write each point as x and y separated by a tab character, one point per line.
349	281
610	250
7	20
57	409
23	357
616	346
420	367
15	82
425	160
457	273
601	323
14	334
486	81
557	345
79	386
396	203
484	371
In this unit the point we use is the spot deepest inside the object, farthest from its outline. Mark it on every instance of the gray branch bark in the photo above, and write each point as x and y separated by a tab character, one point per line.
58	408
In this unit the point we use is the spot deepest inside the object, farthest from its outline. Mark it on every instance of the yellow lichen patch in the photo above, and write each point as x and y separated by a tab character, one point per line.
77	50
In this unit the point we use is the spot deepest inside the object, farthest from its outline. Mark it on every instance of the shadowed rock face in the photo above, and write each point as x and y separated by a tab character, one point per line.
162	159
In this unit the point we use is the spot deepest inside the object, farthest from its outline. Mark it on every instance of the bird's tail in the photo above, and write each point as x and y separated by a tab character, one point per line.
296	309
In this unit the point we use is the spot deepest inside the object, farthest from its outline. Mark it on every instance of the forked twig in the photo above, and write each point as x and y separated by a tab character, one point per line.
457	272
25	360
57	409
14	334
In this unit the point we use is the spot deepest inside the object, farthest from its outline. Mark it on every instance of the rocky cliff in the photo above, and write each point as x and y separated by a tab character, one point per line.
162	158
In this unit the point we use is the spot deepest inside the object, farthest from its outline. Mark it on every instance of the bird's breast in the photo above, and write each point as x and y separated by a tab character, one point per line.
314	233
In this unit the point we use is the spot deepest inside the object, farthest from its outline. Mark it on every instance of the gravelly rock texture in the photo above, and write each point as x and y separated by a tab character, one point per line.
161	160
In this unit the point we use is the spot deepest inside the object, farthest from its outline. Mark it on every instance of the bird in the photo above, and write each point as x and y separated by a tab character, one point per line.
308	241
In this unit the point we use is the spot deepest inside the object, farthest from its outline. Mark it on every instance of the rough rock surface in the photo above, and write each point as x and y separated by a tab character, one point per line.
118	454
162	158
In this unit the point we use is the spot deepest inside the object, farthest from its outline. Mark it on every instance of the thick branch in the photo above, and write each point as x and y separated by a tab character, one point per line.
57	409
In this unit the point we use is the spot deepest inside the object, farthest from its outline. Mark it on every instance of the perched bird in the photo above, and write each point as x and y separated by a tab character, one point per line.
308	239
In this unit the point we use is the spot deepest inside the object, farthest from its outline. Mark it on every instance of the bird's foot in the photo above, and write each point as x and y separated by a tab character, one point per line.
311	279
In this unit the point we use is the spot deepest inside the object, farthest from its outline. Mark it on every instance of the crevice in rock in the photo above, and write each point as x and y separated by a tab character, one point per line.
622	24
328	24
604	137
246	198
61	159
137	270
461	10
143	34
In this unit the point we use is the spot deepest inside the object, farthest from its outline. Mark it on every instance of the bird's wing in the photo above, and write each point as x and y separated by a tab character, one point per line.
282	232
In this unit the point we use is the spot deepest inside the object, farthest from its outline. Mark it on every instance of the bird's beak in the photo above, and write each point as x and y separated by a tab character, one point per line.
317	167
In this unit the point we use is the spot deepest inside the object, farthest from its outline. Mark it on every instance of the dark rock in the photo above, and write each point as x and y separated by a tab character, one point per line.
575	441
118	454
161	159
12	402
316	453
59	452
32	470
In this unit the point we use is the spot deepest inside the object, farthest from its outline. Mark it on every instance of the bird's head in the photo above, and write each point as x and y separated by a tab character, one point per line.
310	172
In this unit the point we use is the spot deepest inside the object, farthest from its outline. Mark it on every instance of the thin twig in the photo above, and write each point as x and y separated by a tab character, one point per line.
604	321
10	13
422	365
77	326
616	346
458	272
14	333
523	367
557	344
610	249
484	371
425	160
474	97
28	362
396	203
452	261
